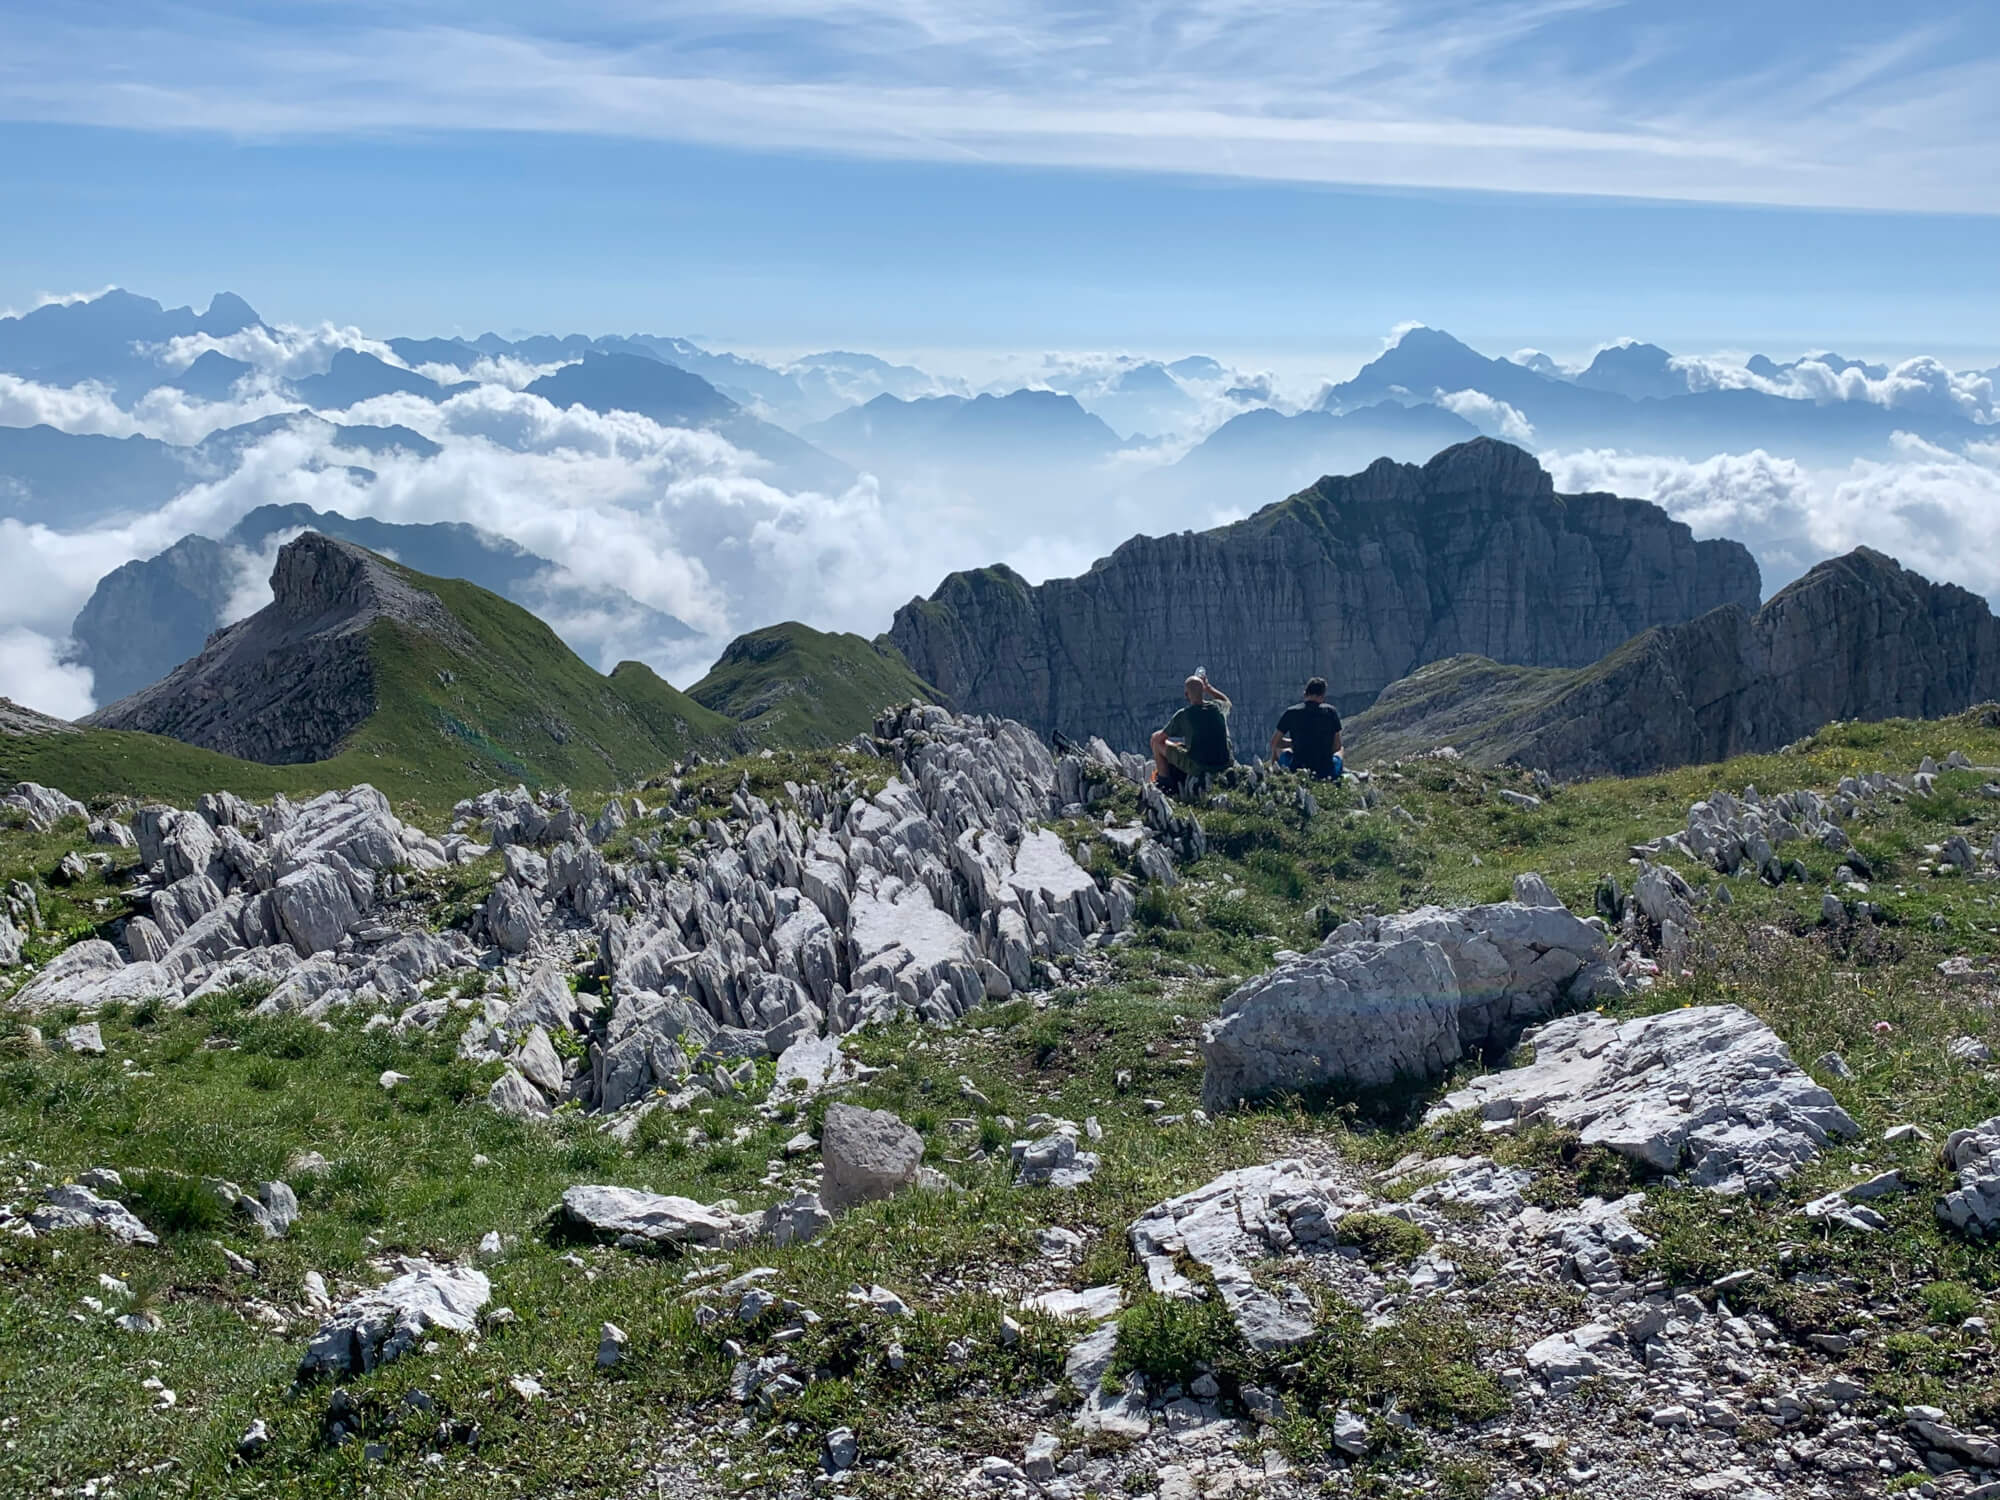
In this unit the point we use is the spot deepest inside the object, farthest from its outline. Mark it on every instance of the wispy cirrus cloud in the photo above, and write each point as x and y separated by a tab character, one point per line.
1785	102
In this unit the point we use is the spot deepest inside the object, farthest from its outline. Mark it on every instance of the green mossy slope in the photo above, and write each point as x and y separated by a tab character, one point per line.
794	687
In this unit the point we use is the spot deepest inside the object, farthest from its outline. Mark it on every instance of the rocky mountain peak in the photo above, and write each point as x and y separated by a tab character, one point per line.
317	575
1857	637
1360	579
289	683
1490	469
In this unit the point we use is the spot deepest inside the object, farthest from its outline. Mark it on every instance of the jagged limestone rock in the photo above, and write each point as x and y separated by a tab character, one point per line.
380	1327
73	1206
513	1095
40	806
1973	1207
89	974
1708	1092
1360	1016
1231	1224
662	1221
1399	999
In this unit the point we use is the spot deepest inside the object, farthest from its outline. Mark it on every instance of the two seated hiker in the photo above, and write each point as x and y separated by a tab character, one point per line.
1195	742
1308	736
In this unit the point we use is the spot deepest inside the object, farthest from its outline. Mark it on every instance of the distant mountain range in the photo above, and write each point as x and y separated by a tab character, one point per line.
816	419
942	434
111	338
674	397
147	617
1264	452
69	480
1095	448
1632	398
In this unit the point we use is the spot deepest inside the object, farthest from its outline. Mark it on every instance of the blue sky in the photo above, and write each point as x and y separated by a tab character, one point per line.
1249	176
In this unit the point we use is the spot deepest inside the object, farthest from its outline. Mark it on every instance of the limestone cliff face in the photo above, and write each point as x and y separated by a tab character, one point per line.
288	684
1858	637
1359	579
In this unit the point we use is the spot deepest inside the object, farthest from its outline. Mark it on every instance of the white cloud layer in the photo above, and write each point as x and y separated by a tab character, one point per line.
286	353
681	521
1921	385
689	525
32	673
1930	509
1489	414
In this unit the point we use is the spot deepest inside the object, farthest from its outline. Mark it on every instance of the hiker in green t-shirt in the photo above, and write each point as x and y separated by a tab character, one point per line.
1196	739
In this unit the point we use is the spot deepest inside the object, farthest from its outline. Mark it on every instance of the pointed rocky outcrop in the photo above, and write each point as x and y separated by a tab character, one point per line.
358	653
1361	579
288	684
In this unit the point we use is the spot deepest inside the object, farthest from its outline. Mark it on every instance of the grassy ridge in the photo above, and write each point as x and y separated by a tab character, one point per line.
515	705
795	687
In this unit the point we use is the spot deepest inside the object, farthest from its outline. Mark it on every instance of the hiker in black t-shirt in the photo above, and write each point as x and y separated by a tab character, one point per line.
1308	735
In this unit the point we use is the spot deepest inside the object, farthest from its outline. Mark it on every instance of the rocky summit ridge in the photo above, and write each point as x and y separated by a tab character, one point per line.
1360	579
1857	637
289	683
361	667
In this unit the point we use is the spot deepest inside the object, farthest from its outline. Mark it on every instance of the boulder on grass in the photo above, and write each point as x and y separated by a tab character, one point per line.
866	1154
382	1326
637	1220
1709	1092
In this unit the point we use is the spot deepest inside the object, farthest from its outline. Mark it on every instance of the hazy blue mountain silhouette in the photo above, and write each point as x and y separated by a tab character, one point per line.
454	352
667	394
357	376
1264	454
1148	379
147	617
220	451
675	397
834	380
745	381
110	338
68	480
1638	372
1694	425
1023	429
211	377
1770	369
1143	398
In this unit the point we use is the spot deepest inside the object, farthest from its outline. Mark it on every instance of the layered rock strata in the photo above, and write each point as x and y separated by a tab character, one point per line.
1361	579
1858	637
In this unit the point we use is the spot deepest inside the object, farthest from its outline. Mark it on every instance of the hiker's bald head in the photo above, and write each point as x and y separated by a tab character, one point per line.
1195	689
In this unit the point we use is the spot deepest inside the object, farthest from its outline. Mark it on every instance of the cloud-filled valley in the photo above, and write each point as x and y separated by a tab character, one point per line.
669	524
